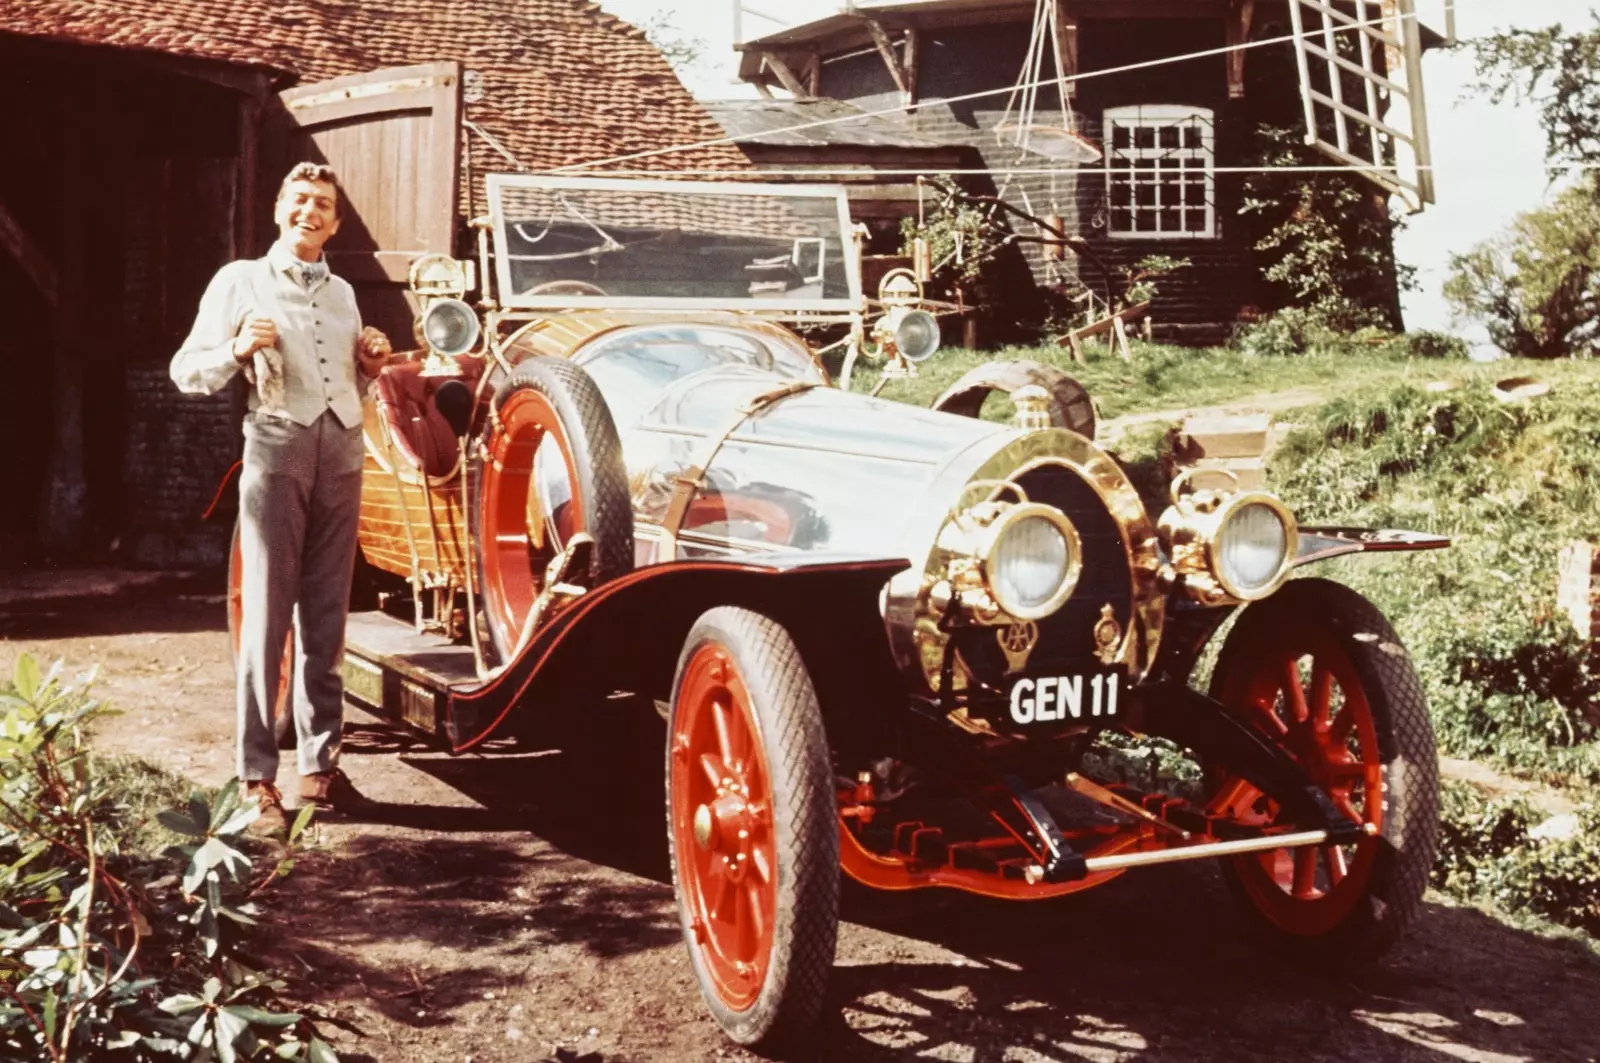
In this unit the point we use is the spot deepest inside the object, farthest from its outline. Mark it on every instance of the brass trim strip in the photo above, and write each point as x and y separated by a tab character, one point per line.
1237	847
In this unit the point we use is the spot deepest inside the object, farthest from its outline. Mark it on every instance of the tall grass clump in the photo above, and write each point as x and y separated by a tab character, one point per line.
1507	677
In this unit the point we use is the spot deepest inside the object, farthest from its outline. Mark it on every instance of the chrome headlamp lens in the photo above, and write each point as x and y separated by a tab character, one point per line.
1032	561
1253	548
450	327
916	335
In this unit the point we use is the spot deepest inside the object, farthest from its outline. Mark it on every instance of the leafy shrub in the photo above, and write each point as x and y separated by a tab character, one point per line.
1536	287
1326	240
1488	854
107	952
1426	343
1507	679
1329	327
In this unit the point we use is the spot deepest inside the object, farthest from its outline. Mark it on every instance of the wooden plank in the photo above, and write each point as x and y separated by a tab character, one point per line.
1240	18
891	59
30	256
1066	40
786	76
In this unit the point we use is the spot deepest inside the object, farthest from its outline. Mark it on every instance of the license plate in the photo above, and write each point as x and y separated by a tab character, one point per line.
1057	698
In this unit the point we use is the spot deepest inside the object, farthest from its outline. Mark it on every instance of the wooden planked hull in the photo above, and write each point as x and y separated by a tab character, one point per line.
434	511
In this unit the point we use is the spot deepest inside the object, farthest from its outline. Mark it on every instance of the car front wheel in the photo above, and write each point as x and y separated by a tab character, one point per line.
752	827
1319	669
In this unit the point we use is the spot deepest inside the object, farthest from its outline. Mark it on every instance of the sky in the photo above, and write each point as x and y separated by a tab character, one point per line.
1488	158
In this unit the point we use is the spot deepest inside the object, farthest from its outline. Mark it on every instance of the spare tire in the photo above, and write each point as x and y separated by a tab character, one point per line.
1070	405
551	468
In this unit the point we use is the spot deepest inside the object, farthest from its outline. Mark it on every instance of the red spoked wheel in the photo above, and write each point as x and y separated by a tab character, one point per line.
751	818
1317	668
553	468
282	709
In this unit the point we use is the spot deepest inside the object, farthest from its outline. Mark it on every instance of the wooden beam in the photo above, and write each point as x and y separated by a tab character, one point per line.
913	63
891	58
1240	17
30	256
785	75
1067	48
812	75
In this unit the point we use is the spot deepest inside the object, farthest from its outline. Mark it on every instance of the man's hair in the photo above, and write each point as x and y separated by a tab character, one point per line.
315	171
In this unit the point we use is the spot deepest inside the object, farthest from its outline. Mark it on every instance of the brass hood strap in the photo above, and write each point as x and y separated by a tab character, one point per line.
689	481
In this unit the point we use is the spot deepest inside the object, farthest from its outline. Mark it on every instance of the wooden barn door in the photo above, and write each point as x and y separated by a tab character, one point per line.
394	138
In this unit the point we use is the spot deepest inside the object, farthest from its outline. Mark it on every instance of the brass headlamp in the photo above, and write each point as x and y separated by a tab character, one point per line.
448	326
1229	546
1008	562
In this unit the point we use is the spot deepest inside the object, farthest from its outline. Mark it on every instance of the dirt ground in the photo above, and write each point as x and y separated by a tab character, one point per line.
503	907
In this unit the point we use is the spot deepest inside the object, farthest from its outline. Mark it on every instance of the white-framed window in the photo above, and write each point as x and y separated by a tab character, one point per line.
1160	183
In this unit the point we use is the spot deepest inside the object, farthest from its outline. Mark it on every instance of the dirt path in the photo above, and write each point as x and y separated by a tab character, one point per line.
509	905
1267	402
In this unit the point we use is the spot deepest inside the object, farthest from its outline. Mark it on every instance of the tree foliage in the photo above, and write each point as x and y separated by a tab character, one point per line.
1557	71
1325	240
1536	286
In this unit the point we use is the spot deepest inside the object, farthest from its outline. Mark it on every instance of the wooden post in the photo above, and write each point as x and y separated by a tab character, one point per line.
1121	335
1241	15
1575	589
913	62
1067	49
1147	329
1077	348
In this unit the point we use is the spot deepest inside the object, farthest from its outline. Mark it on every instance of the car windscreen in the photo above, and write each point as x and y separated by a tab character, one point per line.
660	244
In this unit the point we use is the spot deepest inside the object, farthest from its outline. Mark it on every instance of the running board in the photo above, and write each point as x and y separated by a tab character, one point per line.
397	674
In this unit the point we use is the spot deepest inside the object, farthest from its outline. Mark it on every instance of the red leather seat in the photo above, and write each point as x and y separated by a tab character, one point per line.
420	432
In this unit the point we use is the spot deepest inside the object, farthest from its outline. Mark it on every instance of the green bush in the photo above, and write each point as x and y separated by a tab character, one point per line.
1488	855
108	951
1427	343
1507	678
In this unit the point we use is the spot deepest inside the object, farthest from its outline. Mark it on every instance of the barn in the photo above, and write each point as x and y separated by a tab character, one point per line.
144	141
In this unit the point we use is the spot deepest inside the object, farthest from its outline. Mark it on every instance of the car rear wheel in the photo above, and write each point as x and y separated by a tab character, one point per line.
752	827
1318	668
283	706
553	469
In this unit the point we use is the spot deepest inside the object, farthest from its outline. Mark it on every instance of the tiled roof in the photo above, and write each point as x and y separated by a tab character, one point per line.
562	81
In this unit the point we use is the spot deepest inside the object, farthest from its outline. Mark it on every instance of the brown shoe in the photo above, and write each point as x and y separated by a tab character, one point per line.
273	822
332	791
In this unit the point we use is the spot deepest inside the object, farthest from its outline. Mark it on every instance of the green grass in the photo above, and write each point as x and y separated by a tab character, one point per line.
143	789
1507	678
1162	377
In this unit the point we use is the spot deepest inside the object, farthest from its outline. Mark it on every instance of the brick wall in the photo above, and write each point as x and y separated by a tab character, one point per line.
178	449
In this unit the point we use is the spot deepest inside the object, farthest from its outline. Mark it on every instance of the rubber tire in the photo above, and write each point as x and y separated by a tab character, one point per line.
806	825
1070	404
602	478
283	711
1408	755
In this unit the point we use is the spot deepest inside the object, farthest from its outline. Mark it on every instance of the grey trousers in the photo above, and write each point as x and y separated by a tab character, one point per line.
299	502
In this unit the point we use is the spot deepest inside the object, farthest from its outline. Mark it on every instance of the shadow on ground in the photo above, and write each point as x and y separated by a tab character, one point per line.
1154	967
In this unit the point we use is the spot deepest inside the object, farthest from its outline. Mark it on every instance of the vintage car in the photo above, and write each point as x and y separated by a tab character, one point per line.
883	637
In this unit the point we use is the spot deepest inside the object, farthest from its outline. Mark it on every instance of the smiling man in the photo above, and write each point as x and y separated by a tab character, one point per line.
298	332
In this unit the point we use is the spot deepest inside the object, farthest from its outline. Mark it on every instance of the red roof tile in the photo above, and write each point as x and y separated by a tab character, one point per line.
562	81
